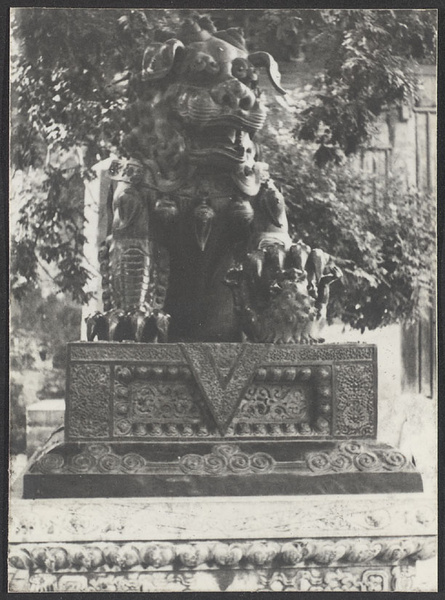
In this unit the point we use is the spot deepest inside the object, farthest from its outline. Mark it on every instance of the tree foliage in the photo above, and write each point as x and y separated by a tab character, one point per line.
54	322
381	235
368	61
63	64
49	232
66	67
371	63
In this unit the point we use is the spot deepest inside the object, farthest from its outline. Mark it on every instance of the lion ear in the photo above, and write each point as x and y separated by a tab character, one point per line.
234	36
264	59
159	59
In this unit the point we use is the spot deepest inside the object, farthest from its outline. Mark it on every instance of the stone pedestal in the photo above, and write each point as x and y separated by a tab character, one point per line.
323	543
219	419
229	426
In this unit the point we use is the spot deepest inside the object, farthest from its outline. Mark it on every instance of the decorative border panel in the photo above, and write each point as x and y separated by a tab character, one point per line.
128	391
331	565
88	412
356	399
345	579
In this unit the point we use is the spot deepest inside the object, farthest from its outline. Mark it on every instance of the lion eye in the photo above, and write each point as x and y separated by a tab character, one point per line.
239	67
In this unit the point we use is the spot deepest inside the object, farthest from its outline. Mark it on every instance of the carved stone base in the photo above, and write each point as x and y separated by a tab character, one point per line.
203	419
347	543
223	469
127	392
344	579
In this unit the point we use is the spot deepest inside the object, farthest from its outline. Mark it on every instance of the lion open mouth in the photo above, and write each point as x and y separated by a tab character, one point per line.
199	108
233	144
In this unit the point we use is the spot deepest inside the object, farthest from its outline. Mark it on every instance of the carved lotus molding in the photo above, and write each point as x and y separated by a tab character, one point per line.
92	557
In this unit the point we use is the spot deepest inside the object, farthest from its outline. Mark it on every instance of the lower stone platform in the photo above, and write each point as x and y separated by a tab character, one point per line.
253	467
323	543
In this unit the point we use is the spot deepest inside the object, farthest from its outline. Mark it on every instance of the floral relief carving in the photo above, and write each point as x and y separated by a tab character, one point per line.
274	403
42	582
89	394
165	401
264	579
375	581
342	352
353	456
113	582
366	579
73	583
330	581
402	578
171	352
356	399
222	396
333	580
222	460
206	390
225	459
225	356
131	352
154	401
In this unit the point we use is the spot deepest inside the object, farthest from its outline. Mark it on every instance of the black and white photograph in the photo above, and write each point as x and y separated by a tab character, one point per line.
223	300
